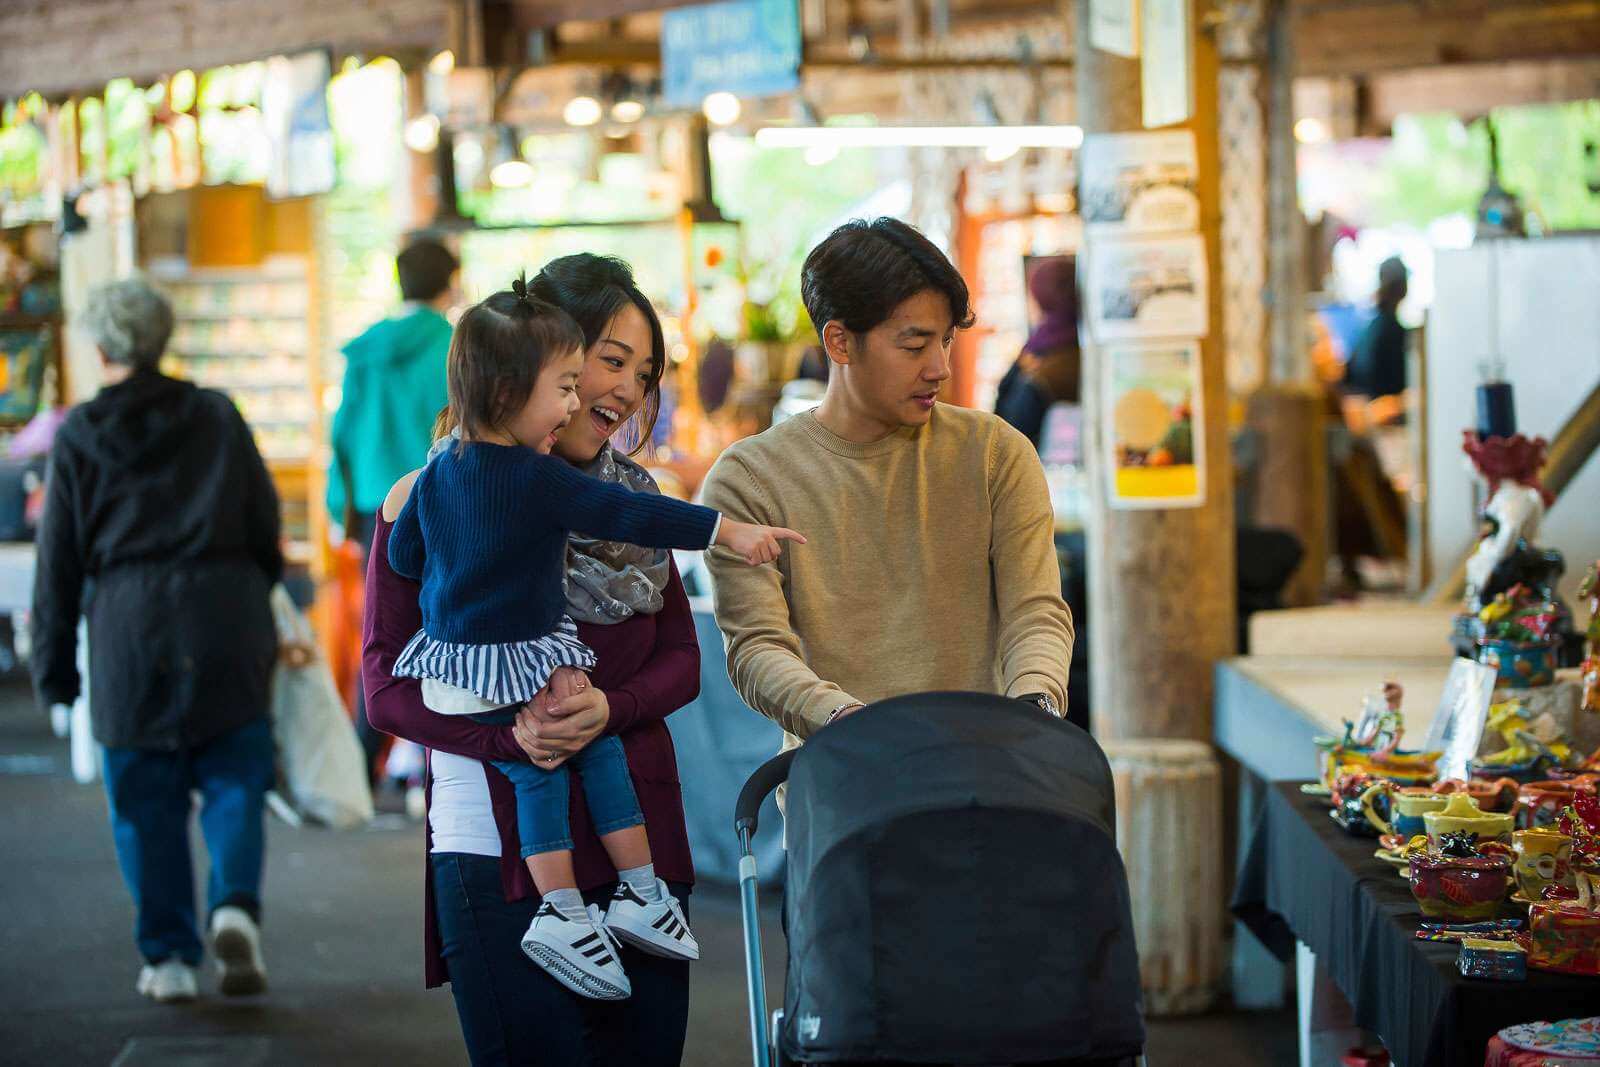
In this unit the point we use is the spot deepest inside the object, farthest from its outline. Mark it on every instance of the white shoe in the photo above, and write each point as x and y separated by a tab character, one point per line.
168	982
660	929
579	953
236	943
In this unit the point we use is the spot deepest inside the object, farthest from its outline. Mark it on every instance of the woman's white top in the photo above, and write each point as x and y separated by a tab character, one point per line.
460	813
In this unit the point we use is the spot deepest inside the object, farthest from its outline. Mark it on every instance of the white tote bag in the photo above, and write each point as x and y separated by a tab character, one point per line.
322	767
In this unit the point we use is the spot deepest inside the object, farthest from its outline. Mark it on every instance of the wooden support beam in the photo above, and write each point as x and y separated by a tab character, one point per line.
1162	586
1365	36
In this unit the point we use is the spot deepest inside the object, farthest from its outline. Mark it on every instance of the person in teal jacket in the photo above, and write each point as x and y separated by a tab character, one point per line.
394	386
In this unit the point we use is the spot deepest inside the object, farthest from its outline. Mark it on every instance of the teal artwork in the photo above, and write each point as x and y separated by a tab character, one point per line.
744	47
24	354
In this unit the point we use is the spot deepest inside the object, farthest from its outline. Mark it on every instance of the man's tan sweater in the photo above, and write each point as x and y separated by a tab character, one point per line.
930	565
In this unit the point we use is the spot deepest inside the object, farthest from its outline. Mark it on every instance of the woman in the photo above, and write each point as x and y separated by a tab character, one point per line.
631	609
160	507
1048	369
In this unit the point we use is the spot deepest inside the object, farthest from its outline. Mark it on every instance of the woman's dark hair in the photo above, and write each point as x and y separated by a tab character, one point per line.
496	354
425	267
593	289
864	270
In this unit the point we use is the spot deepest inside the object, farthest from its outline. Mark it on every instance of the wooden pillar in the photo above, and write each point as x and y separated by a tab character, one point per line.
1162	591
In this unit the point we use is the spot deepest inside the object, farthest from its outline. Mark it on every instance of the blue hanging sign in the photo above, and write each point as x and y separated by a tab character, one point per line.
744	47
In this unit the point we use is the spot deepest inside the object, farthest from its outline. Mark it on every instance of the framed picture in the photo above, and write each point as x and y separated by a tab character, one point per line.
26	349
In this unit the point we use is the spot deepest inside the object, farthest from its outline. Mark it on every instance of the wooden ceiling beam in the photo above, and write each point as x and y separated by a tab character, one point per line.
1354	37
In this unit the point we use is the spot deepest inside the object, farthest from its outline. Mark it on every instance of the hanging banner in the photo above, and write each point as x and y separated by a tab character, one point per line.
1167	62
1154	435
1140	183
1147	287
744	47
294	106
1114	26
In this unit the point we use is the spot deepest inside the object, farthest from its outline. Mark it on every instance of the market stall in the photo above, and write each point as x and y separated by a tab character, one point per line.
1302	879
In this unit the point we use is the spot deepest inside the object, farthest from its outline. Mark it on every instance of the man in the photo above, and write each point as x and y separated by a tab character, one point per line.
394	386
930	561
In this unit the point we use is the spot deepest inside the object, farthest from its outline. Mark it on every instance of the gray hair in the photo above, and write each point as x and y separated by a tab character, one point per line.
130	321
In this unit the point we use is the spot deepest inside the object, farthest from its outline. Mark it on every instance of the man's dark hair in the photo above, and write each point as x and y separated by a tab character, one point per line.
498	349
864	270
593	289
425	267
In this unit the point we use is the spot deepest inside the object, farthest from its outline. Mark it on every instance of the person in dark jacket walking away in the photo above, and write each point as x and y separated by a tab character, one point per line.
161	525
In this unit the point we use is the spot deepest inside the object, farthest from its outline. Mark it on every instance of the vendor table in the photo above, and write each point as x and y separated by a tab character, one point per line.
1302	878
1269	708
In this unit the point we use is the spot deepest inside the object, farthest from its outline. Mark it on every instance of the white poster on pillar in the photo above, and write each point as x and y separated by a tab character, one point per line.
1114	26
1140	183
1166	62
1147	287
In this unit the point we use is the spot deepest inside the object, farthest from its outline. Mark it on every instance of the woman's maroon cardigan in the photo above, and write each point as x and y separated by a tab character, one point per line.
649	667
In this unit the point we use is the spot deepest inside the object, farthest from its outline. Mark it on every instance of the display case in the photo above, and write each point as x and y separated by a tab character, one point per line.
249	332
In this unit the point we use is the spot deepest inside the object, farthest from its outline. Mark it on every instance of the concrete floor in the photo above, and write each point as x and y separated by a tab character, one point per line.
342	936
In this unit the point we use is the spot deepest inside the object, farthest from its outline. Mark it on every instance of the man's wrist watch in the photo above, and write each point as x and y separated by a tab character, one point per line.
1045	702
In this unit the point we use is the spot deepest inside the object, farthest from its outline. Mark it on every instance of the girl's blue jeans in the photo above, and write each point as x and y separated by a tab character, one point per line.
543	824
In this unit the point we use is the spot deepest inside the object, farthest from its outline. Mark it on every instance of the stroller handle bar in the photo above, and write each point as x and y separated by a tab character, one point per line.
769	776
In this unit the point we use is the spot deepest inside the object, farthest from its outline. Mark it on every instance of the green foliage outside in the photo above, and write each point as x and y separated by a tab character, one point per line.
1439	167
787	206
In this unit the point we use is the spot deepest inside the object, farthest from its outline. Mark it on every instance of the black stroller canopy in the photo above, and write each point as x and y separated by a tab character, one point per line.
955	894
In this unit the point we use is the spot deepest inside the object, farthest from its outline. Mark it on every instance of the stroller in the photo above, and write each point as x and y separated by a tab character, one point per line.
955	895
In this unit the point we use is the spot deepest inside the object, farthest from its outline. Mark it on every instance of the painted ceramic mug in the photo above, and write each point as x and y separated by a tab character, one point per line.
1542	860
1541	803
1406	809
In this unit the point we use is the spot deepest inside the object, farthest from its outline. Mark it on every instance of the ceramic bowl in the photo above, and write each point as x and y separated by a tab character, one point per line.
1459	888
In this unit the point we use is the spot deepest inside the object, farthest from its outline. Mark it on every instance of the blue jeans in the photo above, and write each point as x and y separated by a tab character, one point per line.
512	1012
543	824
148	792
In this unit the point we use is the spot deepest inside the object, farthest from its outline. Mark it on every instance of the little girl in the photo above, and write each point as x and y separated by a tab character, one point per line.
485	531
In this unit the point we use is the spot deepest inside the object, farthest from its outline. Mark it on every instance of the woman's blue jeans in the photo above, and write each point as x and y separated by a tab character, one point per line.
543	822
149	795
512	1012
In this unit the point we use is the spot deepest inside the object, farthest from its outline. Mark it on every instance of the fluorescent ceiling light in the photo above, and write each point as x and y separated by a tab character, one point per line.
920	136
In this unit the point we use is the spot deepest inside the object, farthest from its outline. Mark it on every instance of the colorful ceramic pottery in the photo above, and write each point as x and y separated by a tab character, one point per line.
1576	1038
1461	813
1464	888
1498	794
1519	665
1543	857
1406	808
1541	803
1565	935
1504	961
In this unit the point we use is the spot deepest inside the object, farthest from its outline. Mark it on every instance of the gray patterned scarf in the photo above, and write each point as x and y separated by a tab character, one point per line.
608	581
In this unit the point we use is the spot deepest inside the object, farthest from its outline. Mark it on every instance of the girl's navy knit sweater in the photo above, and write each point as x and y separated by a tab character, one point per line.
485	532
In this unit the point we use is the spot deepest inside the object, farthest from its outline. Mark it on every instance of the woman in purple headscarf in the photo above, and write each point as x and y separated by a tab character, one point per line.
1049	368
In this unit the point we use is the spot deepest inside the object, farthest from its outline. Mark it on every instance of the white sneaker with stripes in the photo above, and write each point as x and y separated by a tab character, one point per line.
659	929
578	953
